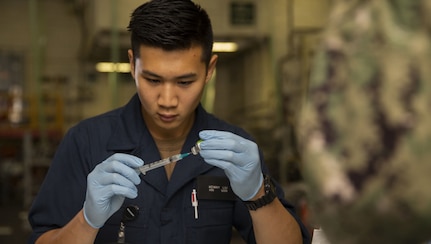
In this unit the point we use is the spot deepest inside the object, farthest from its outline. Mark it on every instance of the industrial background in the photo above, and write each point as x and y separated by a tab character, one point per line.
49	51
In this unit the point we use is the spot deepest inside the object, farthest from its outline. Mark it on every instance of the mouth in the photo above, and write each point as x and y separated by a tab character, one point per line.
167	117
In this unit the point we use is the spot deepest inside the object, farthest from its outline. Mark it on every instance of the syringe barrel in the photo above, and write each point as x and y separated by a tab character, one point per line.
147	167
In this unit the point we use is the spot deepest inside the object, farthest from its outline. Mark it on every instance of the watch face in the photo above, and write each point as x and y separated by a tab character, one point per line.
264	200
269	186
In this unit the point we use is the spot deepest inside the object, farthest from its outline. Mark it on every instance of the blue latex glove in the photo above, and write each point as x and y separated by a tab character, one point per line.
238	157
108	185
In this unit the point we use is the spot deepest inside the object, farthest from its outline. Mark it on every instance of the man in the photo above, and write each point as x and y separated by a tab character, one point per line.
93	193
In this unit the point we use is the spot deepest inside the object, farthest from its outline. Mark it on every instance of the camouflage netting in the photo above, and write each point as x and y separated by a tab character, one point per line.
365	132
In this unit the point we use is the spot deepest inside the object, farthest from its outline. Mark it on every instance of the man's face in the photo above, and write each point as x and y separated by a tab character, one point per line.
170	85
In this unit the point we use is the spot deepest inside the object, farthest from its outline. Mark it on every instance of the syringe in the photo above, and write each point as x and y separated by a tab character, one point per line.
157	164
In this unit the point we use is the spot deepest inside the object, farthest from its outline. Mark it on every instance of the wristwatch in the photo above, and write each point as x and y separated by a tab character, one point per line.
264	200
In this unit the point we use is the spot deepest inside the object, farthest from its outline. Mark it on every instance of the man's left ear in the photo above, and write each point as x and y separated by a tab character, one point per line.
211	67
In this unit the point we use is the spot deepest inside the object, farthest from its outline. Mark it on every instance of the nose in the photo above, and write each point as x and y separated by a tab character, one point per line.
168	97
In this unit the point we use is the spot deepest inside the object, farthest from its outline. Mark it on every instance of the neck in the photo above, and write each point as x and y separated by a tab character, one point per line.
160	133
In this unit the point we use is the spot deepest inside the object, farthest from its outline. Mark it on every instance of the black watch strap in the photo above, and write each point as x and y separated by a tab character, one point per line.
264	200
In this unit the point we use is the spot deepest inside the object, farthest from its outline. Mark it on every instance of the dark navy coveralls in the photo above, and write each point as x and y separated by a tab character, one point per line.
165	211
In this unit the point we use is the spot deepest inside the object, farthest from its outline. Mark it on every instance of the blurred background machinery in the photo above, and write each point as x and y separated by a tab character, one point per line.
50	77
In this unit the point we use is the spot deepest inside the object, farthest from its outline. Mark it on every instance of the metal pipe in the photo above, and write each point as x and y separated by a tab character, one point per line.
113	76
36	51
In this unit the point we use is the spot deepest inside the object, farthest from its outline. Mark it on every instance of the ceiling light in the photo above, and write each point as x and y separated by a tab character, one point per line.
225	47
107	67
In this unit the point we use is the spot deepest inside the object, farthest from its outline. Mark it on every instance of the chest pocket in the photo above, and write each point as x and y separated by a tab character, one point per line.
213	223
214	213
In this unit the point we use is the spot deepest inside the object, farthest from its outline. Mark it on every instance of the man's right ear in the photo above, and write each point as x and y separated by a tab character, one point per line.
131	62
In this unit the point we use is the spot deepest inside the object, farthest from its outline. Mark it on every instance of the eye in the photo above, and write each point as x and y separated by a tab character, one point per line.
152	80
184	83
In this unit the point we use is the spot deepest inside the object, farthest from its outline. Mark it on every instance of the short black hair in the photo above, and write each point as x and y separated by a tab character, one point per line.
171	25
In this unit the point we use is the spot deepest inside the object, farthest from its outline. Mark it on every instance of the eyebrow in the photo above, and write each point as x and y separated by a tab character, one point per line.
184	76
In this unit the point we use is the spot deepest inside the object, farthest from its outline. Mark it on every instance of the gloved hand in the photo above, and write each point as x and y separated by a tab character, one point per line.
108	185
238	157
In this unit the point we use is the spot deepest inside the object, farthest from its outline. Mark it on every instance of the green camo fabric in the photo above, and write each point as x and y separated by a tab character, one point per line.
365	130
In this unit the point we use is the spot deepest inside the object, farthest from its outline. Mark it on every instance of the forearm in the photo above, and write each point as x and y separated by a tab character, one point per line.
274	224
76	231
